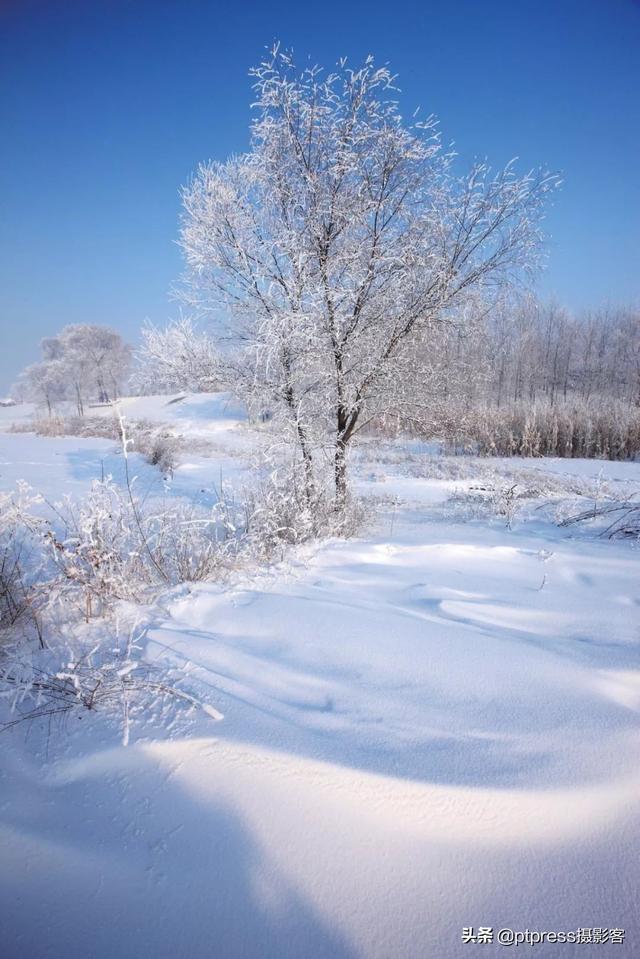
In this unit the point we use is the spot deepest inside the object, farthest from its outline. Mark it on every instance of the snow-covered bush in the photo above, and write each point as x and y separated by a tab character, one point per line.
22	565
162	452
190	544
110	546
617	518
109	676
159	446
100	549
279	512
494	499
84	561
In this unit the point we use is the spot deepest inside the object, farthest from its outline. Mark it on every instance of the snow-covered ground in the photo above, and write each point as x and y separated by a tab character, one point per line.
428	727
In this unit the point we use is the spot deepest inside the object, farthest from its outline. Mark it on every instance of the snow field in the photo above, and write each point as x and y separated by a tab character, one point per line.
431	726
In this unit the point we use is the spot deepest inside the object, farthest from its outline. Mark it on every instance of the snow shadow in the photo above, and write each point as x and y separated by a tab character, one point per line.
439	662
91	463
120	861
87	465
208	408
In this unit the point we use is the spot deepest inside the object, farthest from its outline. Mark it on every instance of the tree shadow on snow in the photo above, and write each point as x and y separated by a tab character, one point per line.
126	863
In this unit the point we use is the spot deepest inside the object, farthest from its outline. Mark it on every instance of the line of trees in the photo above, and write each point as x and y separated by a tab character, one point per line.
539	351
529	352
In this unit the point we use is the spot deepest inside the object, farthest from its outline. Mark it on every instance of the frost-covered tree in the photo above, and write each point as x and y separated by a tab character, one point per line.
179	357
102	353
341	245
82	362
44	383
75	364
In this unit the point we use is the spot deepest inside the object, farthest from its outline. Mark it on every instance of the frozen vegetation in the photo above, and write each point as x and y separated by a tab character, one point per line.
429	725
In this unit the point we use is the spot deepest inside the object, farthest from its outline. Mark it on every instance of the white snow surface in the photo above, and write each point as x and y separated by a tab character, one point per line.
428	727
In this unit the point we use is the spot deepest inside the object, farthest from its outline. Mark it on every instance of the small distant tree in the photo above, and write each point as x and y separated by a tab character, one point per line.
99	353
82	362
44	383
339	247
75	364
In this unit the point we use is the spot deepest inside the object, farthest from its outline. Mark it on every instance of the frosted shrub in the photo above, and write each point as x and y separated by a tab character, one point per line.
109	676
191	544
112	547
100	551
499	499
159	447
279	512
89	558
618	518
163	452
21	562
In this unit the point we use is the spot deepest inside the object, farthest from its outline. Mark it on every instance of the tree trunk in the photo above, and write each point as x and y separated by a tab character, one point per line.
340	473
102	390
307	455
347	421
307	459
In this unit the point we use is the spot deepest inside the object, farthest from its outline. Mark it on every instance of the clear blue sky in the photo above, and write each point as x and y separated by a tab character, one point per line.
107	105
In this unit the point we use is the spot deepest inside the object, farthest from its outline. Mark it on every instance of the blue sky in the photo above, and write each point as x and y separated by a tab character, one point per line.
106	106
